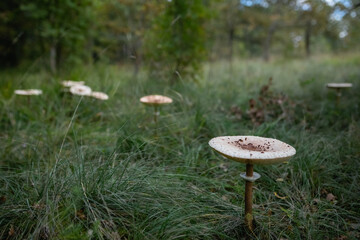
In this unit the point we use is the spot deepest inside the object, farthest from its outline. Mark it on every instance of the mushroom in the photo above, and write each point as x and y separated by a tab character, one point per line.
80	90
70	83
338	87
155	101
251	150
28	93
99	95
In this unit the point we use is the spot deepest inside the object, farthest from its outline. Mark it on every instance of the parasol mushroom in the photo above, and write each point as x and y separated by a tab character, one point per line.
70	83
28	93
155	101
80	90
99	95
338	87
252	150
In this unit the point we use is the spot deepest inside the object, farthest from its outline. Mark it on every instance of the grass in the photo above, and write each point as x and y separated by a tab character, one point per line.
77	168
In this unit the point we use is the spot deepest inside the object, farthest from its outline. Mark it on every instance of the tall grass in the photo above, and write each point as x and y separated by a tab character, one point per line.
73	168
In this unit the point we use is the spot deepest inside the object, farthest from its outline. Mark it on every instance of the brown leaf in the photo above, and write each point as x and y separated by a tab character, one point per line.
342	237
330	197
80	214
11	231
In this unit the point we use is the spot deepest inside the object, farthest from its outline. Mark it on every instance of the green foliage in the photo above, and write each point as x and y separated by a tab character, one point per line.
96	171
176	45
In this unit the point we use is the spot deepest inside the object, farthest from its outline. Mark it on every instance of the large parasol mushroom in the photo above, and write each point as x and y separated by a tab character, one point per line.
252	150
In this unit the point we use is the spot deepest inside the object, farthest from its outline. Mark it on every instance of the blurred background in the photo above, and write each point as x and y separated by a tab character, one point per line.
172	37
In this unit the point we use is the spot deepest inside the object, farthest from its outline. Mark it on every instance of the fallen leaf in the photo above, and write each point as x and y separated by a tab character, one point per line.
225	198
277	195
223	167
355	226
342	237
330	197
80	214
11	231
269	213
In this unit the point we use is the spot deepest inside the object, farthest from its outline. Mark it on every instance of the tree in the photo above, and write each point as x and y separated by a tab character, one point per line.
176	44
123	24
59	26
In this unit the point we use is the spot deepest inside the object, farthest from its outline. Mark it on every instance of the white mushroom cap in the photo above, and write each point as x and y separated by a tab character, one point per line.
155	100
339	85
99	95
28	92
80	90
252	149
70	83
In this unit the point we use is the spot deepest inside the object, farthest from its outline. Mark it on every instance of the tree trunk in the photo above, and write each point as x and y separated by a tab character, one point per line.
267	43
231	46
138	56
53	54
307	38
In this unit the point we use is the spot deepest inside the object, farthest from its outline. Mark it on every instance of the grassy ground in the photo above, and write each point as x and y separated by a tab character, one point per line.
78	168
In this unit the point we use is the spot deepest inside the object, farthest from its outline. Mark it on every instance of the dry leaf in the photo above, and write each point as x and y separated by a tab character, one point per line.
330	197
11	231
223	167
2	199
225	198
80	214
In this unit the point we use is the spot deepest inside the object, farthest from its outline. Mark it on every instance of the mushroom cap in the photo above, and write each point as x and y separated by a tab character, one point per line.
70	83
155	100
28	92
252	149
80	90
99	95
339	85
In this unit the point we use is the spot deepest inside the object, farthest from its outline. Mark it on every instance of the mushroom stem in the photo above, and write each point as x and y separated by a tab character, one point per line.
248	197
156	112
338	95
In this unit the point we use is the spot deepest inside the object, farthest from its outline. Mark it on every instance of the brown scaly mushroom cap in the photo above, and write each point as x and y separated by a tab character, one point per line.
252	149
155	100
339	85
28	92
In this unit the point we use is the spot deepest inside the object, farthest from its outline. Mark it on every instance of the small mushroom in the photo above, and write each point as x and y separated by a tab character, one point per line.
80	90
338	87
28	93
99	95
70	83
155	101
255	150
